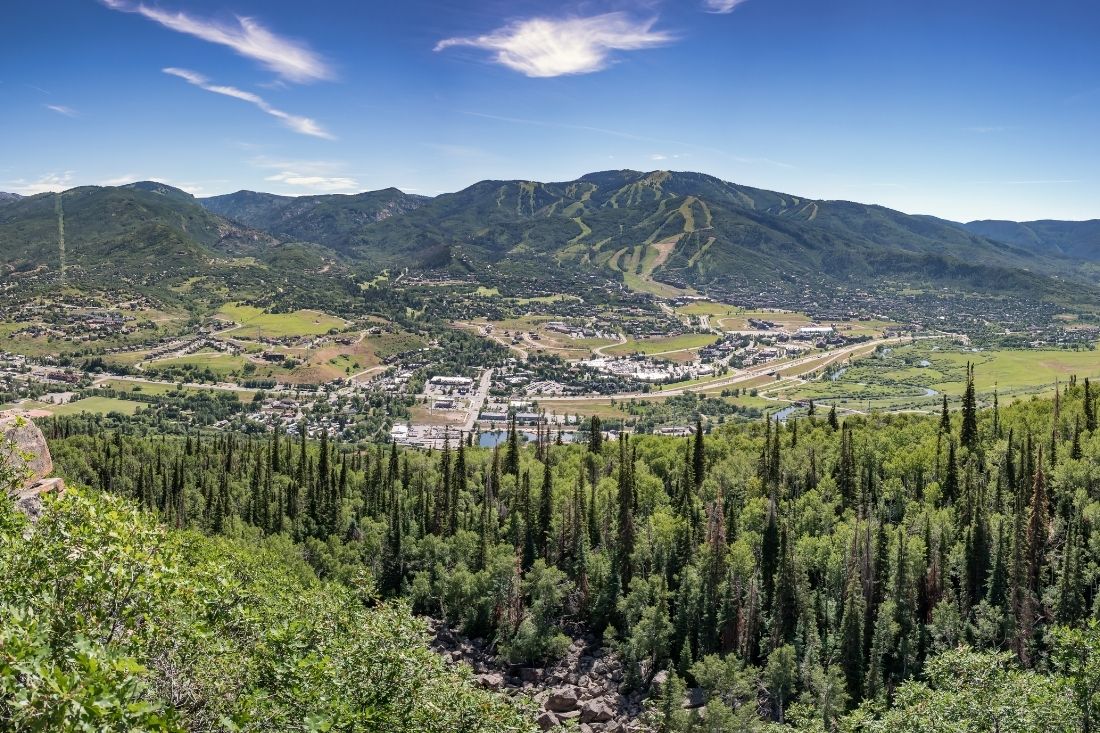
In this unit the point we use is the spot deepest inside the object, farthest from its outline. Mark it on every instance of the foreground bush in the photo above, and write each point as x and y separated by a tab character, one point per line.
111	622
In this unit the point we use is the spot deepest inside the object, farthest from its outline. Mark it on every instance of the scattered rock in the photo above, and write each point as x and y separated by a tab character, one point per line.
23	447
658	683
694	698
491	681
30	453
581	689
595	711
562	700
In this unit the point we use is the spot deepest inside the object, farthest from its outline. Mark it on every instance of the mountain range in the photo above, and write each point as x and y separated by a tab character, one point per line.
650	229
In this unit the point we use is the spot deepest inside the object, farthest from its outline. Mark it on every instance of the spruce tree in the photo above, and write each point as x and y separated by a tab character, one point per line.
624	546
699	458
968	434
546	509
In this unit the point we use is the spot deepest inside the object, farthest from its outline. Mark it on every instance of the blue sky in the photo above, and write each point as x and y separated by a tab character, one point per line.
963	109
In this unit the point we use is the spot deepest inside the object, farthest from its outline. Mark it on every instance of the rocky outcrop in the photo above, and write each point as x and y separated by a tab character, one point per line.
584	686
23	449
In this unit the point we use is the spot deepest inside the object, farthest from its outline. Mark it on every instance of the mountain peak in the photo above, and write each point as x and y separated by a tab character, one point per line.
159	188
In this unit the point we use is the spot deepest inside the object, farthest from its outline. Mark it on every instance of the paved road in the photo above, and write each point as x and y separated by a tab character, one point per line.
478	401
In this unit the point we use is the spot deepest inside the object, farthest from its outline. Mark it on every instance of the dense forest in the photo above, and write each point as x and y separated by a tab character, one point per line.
901	572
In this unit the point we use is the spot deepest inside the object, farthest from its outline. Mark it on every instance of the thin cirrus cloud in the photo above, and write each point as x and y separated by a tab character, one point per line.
317	175
43	184
302	125
62	110
291	60
314	182
721	6
546	47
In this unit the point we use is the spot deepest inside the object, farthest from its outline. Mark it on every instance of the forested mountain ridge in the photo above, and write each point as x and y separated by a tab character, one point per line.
145	237
331	220
789	571
683	229
1080	239
678	227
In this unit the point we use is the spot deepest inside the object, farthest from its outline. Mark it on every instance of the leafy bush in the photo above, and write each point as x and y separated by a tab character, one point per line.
115	623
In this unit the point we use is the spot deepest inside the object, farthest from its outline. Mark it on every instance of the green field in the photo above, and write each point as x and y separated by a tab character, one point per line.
915	376
388	344
277	325
708	308
100	405
217	362
157	389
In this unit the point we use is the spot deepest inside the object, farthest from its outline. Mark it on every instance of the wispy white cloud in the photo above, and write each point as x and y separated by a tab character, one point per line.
629	136
310	167
44	183
546	47
329	184
291	60
303	125
721	6
62	110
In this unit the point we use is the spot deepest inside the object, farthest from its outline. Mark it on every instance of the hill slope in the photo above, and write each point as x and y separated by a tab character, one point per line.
144	235
113	623
653	230
330	220
1078	239
694	229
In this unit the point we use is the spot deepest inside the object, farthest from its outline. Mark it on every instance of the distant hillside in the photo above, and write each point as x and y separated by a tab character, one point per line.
694	229
331	220
1078	239
147	235
656	231
6	197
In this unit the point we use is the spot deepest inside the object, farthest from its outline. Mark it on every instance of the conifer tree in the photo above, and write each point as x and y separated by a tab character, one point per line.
458	488
699	458
595	435
546	509
851	634
625	540
968	434
785	614
769	553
